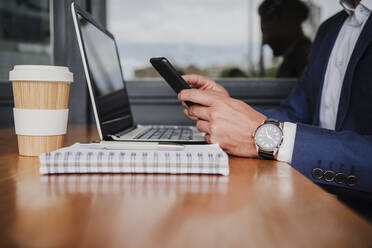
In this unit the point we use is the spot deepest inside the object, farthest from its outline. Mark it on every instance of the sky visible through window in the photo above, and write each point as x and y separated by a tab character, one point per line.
208	34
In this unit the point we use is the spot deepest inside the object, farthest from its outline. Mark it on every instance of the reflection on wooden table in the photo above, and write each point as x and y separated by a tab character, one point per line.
133	185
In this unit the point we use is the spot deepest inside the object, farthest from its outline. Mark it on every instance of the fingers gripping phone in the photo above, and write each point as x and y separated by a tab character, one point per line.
171	76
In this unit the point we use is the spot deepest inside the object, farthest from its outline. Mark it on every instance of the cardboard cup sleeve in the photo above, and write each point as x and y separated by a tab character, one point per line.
40	122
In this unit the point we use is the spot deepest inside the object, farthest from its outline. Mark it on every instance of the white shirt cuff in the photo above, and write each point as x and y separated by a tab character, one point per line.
286	149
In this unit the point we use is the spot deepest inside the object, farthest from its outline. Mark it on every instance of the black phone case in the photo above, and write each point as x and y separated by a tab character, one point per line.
170	74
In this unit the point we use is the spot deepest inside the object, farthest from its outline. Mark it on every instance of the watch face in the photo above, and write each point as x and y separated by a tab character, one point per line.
268	136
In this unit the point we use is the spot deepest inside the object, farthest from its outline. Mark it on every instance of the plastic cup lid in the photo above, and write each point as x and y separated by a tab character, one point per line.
41	73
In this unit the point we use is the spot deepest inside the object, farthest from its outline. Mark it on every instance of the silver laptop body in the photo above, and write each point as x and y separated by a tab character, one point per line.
107	88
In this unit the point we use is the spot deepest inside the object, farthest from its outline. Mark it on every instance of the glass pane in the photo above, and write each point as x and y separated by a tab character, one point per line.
24	34
217	38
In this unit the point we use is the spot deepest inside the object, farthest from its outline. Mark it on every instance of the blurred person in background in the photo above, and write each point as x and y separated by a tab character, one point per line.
281	25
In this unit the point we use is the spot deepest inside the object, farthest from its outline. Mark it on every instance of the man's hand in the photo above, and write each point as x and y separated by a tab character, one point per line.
204	83
201	83
226	121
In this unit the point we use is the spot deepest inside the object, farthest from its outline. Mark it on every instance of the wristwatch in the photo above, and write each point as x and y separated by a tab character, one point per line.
268	138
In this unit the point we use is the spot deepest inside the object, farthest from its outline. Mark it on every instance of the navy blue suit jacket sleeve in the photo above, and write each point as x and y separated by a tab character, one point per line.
346	152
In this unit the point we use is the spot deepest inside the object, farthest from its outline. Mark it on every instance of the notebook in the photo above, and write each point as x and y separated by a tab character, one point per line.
91	158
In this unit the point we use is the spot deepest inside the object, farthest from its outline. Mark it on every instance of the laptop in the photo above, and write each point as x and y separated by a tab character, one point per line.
108	92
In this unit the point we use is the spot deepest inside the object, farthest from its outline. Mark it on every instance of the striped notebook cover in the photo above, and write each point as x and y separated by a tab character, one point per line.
91	158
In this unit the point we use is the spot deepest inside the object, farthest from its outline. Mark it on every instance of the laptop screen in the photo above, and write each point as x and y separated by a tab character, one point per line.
107	82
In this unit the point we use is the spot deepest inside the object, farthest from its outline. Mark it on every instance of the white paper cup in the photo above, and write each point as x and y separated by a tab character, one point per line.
41	107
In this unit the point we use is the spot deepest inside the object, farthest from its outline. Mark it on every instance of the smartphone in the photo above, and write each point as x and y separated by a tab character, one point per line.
171	76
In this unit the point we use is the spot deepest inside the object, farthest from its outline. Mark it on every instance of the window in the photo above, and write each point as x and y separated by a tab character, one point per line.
217	38
24	34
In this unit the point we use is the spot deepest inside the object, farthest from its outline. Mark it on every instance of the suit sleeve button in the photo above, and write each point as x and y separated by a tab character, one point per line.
351	180
340	178
317	173
329	176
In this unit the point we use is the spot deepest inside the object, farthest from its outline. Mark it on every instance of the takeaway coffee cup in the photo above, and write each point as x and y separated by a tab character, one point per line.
40	107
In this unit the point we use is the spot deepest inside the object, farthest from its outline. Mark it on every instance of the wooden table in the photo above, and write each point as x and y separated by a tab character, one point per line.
261	204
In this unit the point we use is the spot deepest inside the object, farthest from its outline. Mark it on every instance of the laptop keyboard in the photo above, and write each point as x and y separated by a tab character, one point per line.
166	133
